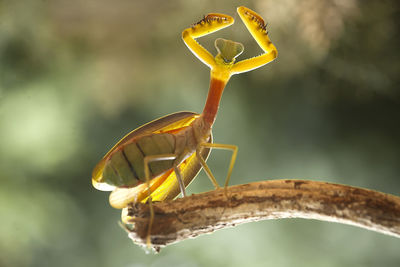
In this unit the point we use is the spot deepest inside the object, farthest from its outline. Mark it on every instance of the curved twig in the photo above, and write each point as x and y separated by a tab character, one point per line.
204	213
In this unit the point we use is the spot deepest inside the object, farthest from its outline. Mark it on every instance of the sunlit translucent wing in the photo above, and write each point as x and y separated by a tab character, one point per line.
163	187
166	182
163	124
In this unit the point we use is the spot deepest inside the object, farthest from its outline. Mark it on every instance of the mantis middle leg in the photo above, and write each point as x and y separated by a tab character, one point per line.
234	150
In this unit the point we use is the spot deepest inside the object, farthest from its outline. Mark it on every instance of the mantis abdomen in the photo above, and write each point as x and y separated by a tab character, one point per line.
125	166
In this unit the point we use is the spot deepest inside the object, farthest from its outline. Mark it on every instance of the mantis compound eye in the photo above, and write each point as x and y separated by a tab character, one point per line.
228	50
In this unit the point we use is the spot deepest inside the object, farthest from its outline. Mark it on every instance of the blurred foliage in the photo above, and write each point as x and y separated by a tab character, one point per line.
76	75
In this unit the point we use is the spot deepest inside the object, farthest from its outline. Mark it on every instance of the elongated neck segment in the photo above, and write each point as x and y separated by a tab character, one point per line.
214	96
221	71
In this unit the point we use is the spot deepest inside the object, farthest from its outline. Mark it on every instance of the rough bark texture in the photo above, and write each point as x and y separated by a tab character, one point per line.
204	213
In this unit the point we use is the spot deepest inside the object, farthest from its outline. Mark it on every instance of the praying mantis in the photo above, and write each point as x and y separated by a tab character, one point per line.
159	159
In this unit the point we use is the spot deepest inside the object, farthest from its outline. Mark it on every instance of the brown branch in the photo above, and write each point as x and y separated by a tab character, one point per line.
204	213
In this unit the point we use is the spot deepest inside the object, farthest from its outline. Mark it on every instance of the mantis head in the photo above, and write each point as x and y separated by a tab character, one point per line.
228	50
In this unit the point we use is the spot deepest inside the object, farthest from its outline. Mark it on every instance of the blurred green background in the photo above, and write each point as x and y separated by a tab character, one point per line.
76	75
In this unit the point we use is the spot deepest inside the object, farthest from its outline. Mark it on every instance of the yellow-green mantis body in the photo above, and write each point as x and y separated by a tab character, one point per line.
159	159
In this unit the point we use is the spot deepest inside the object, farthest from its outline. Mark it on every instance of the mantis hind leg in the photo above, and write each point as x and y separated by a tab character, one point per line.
147	160
234	150
180	181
